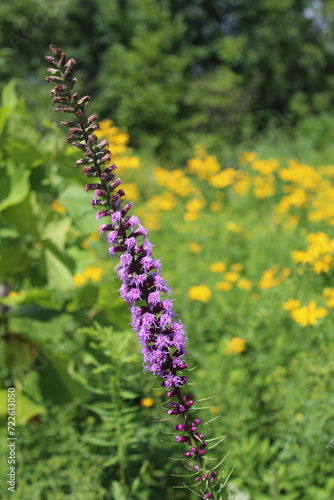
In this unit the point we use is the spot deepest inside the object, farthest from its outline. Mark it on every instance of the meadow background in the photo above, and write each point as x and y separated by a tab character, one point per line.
220	118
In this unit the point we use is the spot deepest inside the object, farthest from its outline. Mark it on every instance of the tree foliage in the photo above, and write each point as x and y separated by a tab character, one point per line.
182	70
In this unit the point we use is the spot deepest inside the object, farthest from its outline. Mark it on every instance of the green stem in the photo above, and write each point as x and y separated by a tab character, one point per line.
120	446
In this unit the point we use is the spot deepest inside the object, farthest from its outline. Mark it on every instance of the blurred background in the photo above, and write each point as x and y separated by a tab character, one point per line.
220	118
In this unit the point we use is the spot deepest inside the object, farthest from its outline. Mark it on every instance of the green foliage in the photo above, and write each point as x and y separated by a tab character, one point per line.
180	71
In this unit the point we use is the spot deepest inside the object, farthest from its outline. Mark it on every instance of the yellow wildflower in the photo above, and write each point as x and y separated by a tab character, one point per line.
241	184
308	315
302	174
93	273
195	204
291	221
165	202
234	227
244	284
269	280
150	219
328	293
265	167
263	187
223	179
191	216
174	180
195	247
200	292
79	279
58	207
291	304
237	267
147	402
94	237
231	277
131	191
297	198
223	286
216	206
130	162
217	267
247	157
236	345
318	253
203	165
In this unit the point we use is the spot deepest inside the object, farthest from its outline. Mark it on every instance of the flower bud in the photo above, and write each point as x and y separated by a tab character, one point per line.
92	119
213	476
84	100
197	421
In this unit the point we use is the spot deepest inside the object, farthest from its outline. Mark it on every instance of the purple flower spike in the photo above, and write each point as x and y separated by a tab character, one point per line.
162	337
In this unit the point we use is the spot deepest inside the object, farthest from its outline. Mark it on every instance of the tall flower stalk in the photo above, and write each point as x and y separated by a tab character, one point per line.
161	335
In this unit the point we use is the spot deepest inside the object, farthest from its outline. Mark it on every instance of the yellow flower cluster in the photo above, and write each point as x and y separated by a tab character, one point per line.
270	279
304	315
300	174
322	207
193	208
118	141
90	273
265	167
318	254
165	202
131	191
207	168
328	293
236	345
203	165
174	180
202	293
230	277
264	182
263	186
118	145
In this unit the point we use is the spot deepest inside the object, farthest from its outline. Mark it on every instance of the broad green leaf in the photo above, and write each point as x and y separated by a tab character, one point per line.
18	355
25	409
59	267
14	185
56	231
9	95
77	202
5	112
23	150
55	382
23	216
14	258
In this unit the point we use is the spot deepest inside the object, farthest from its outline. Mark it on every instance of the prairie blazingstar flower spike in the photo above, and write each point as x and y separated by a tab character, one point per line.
161	335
